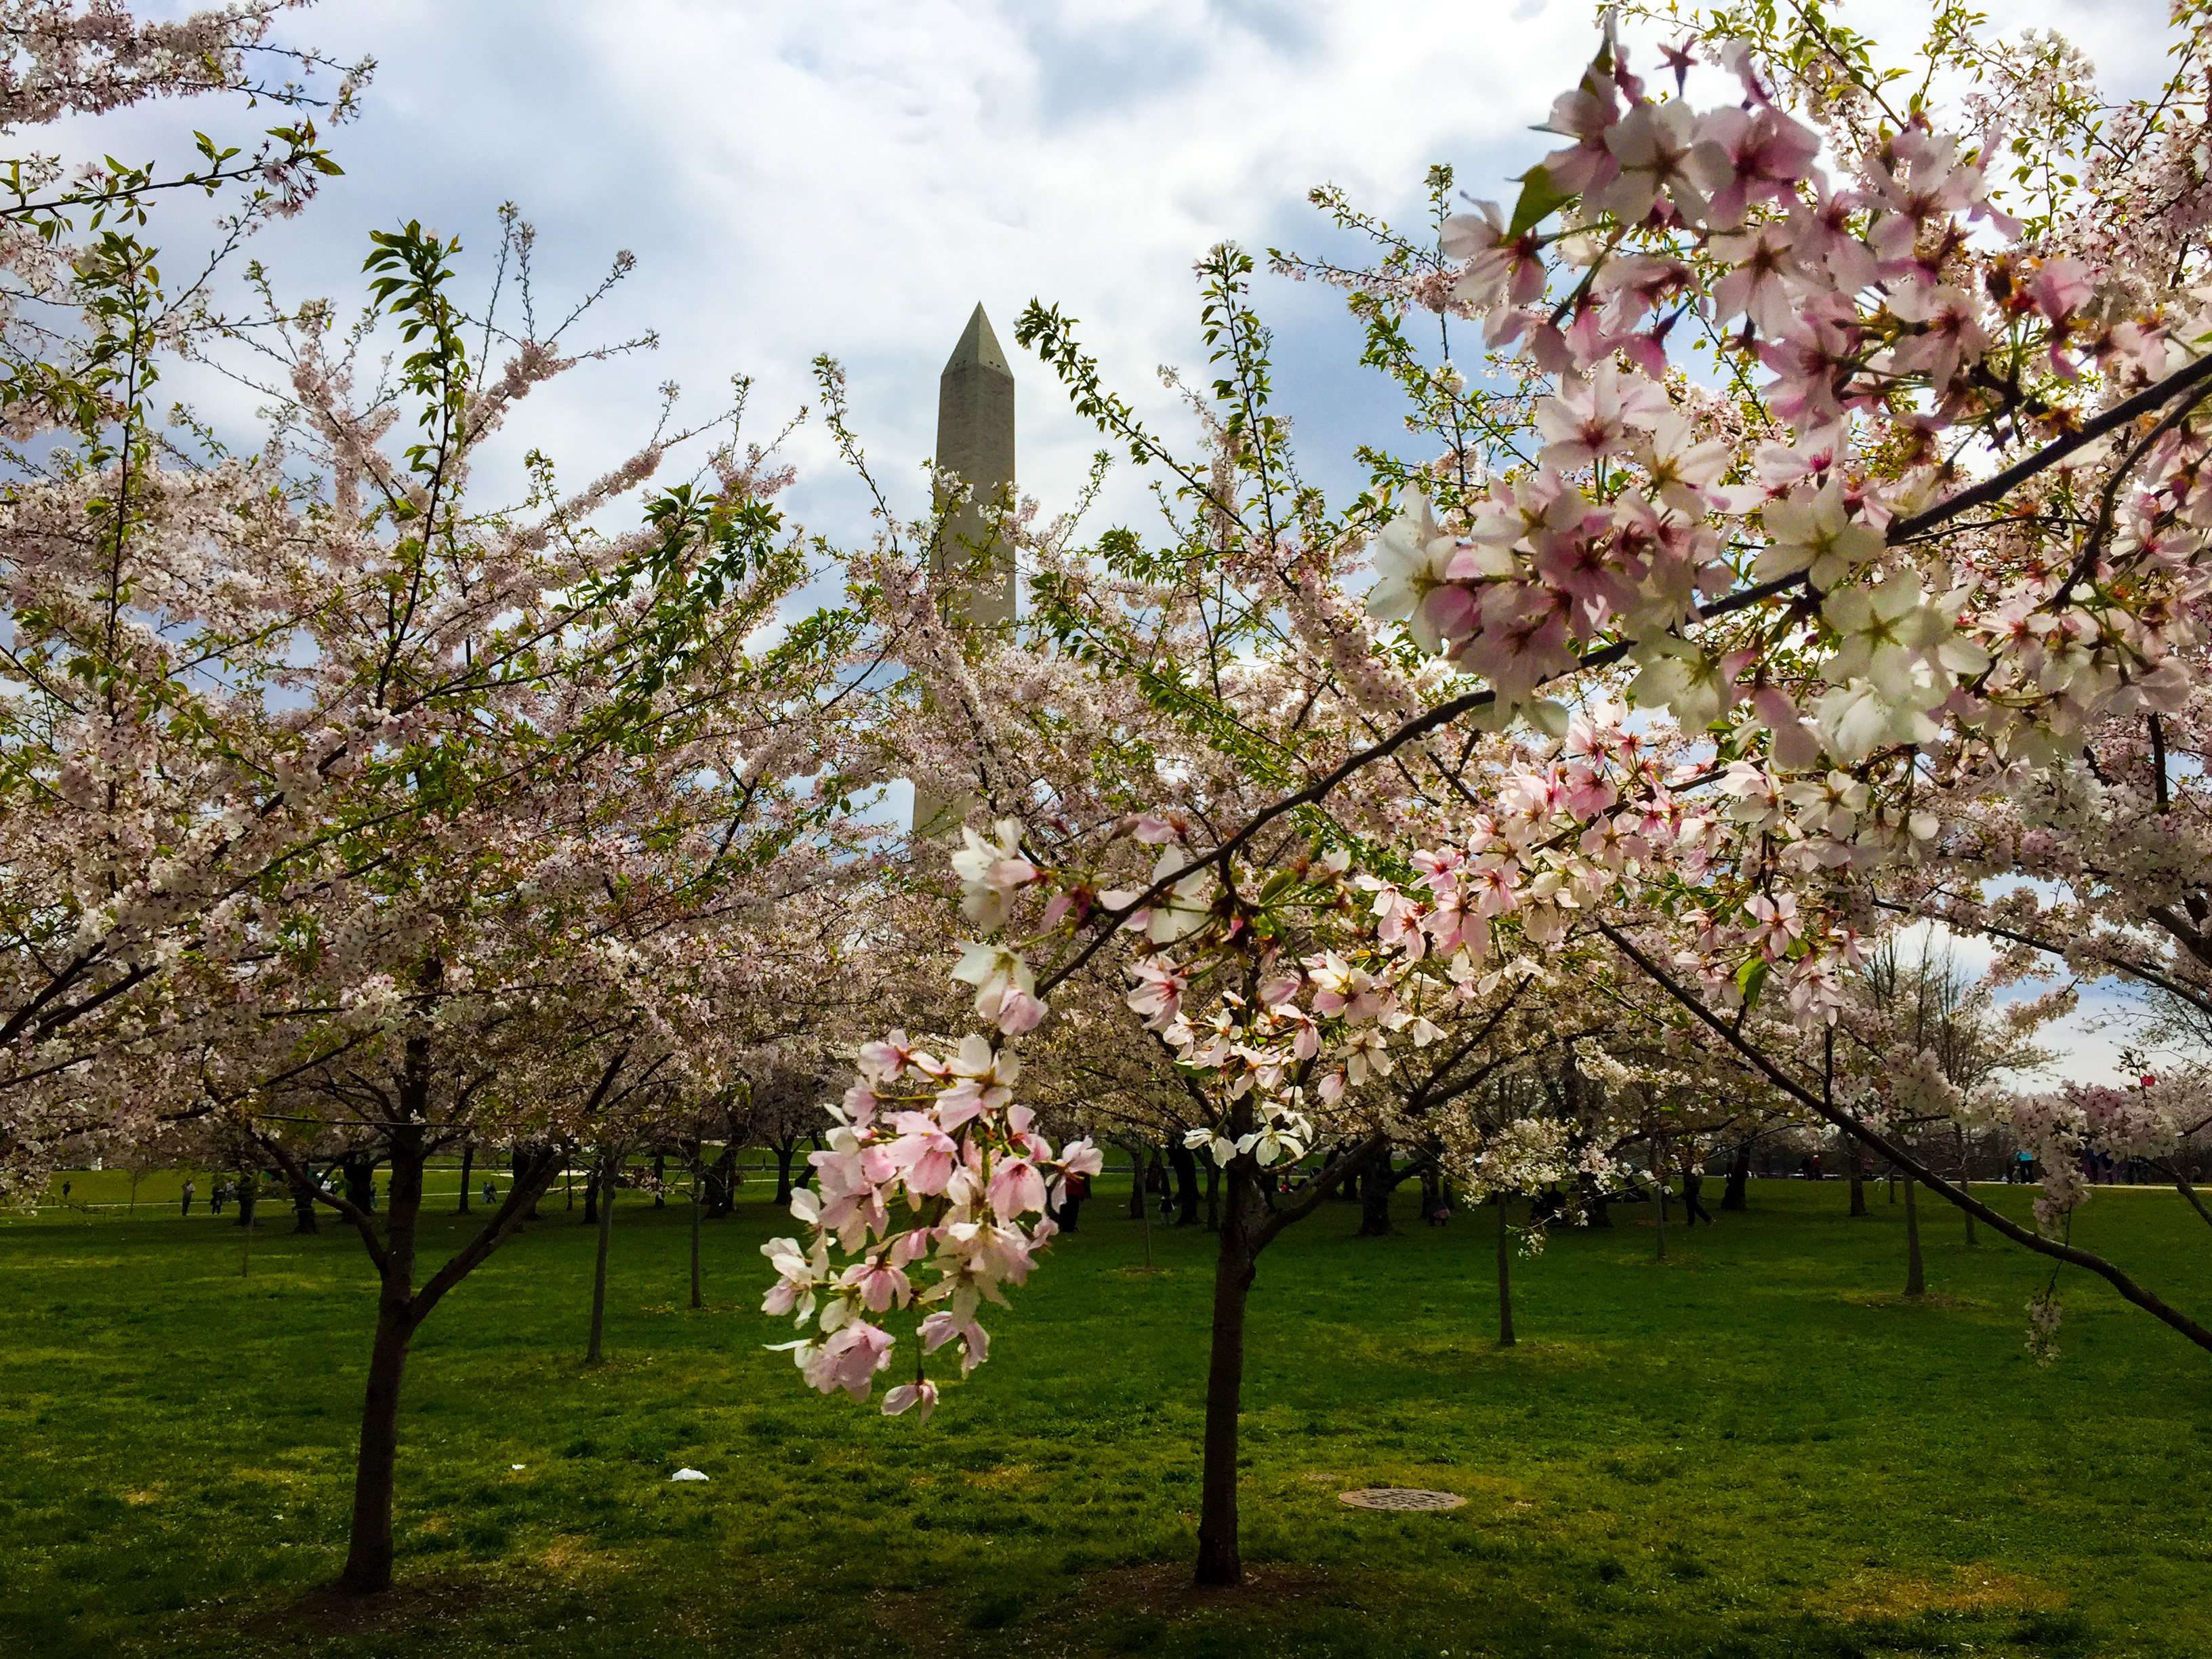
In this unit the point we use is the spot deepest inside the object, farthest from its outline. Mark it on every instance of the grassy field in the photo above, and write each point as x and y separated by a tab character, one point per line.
1756	1451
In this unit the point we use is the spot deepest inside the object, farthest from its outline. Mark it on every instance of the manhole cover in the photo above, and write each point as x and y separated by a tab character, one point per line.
1400	1497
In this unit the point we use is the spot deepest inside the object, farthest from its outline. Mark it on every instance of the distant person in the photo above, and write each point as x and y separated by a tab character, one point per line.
491	1194
186	1206
1071	1203
1693	1181
65	1187
215	1198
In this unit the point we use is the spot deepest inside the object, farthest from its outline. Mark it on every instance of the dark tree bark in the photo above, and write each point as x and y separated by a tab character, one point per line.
695	1299
468	1163
1965	1176
592	1194
1212	1196
1915	1281
786	1150
368	1552
1185	1163
604	1179
661	1181
1858	1181
524	1163
249	1195
1737	1194
721	1187
1504	1276
1597	1206
1219	1560
1136	1165
1375	1189
303	1201
359	1171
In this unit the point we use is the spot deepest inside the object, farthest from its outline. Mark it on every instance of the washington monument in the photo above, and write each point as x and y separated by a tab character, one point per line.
975	441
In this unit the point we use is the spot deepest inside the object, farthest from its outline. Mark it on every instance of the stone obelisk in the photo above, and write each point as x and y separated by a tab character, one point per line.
976	442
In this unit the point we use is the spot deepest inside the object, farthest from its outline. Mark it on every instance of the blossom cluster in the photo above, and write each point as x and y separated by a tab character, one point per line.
1879	323
933	1193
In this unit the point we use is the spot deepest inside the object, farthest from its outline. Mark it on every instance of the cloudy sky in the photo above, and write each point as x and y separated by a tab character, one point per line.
852	176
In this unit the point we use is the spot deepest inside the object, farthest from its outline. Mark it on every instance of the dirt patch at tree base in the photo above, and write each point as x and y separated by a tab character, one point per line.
1165	1588
410	1604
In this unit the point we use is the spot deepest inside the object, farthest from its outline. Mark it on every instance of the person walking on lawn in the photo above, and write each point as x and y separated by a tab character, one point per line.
186	1208
1692	1180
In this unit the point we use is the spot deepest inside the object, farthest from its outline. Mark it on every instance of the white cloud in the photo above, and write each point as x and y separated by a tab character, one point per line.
851	176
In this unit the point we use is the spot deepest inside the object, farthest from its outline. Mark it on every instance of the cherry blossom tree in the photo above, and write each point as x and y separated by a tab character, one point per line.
1822	437
145	781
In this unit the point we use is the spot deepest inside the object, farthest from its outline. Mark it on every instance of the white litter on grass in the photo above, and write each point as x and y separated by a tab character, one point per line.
514	1466
687	1474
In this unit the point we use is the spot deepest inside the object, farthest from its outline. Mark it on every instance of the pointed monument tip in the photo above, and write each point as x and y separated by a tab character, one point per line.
978	347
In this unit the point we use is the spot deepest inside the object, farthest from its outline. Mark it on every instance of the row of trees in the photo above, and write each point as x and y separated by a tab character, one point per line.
1801	551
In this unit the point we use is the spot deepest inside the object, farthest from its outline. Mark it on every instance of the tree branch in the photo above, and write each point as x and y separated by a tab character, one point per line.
2074	1255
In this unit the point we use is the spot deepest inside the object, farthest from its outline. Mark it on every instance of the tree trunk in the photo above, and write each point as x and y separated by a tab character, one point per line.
1137	1210
1212	1196
661	1181
1857	1155
468	1164
1375	1196
1597	1208
1964	1175
368	1552
1185	1163
604	1178
1737	1196
785	1152
303	1203
1504	1276
592	1178
721	1189
1659	1196
524	1161
695	1301
1916	1282
249	1195
359	1172
1219	1559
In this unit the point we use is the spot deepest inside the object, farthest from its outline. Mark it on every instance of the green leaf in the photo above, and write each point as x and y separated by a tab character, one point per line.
1750	979
1539	201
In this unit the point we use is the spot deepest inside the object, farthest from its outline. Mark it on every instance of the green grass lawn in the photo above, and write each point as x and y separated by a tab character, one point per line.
1755	1450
